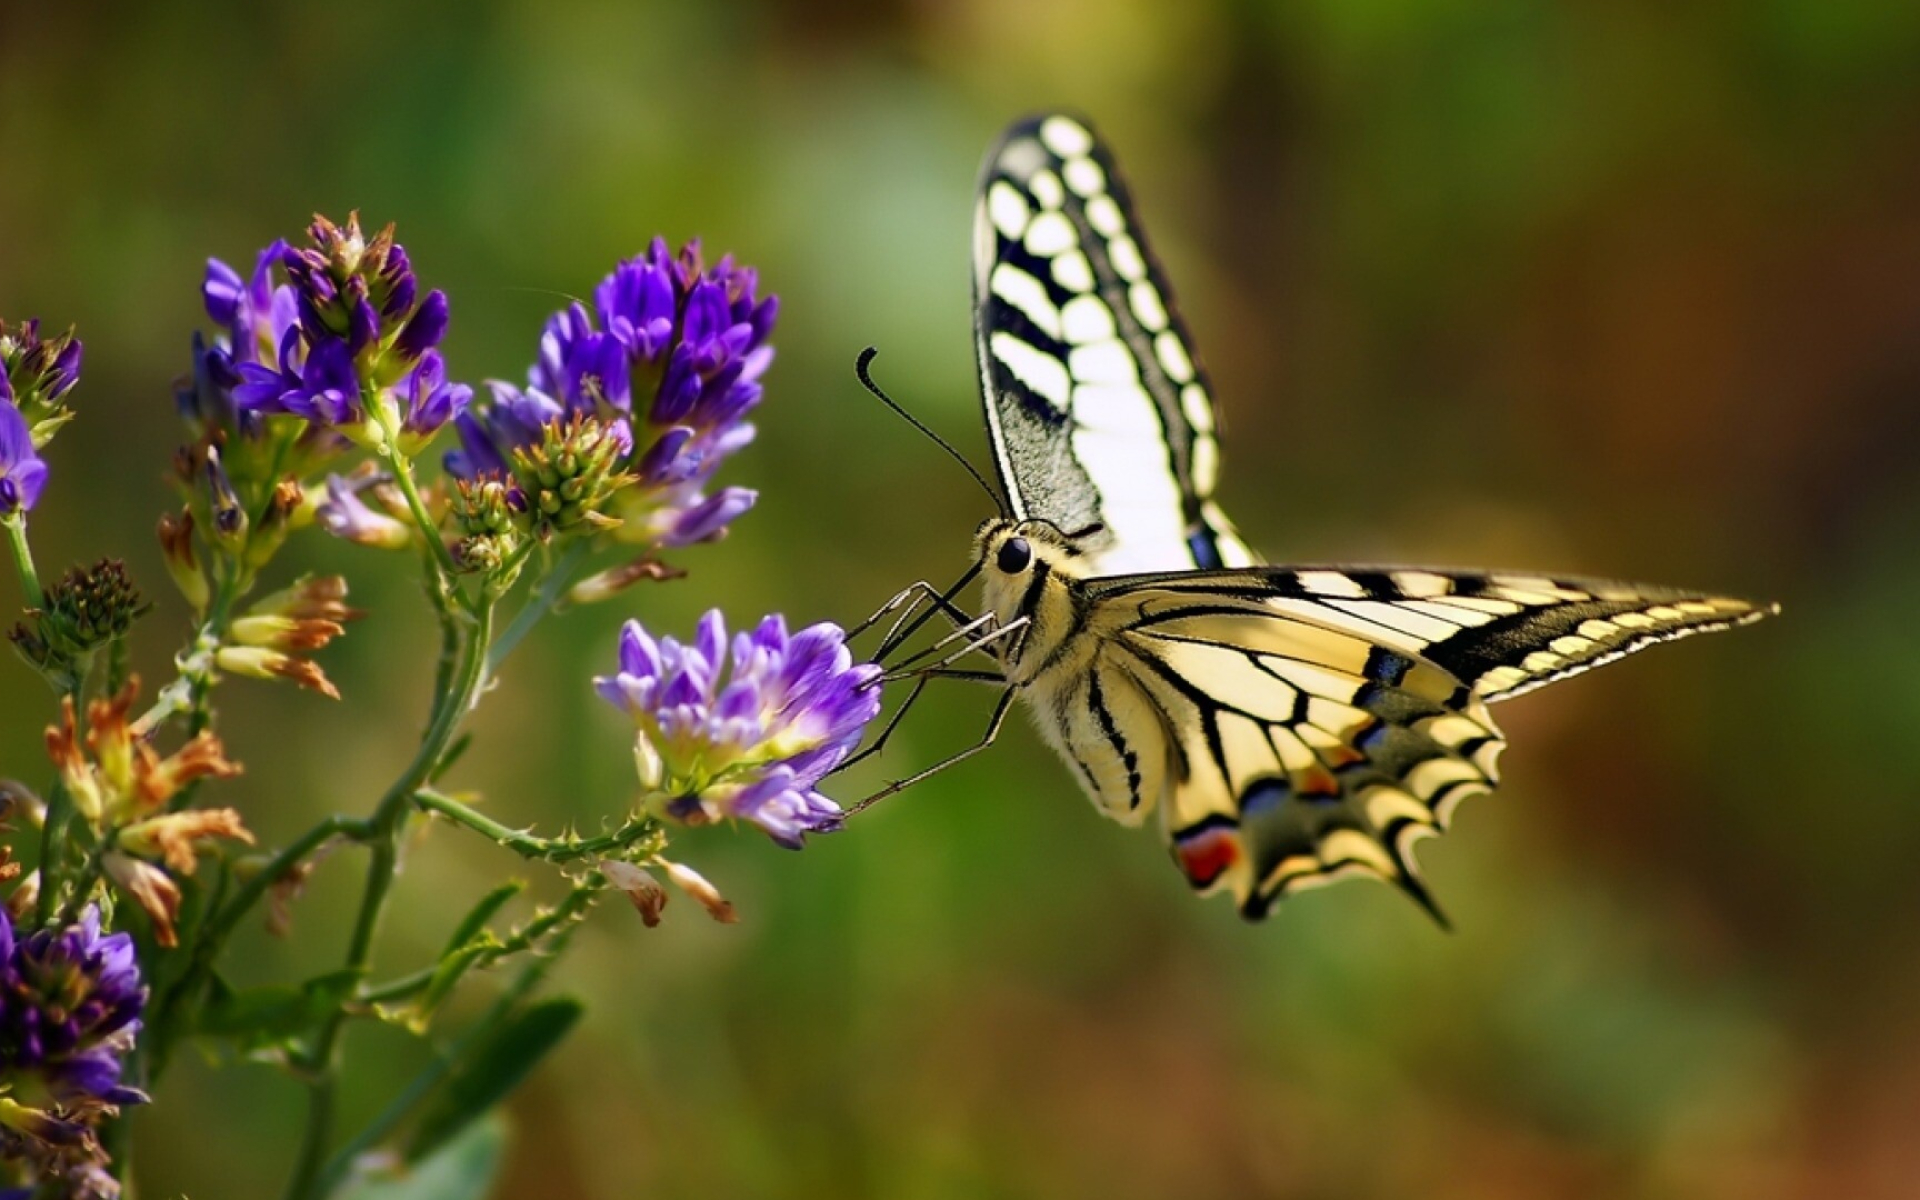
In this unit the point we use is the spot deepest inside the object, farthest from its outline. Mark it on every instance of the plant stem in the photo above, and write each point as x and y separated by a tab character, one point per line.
435	1072
16	524
212	935
561	918
554	850
537	605
403	477
384	831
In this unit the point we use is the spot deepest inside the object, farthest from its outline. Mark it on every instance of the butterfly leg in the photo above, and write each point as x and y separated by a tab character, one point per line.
920	685
939	603
994	725
963	633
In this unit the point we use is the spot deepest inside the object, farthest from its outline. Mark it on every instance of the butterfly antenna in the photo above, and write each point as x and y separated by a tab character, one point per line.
866	381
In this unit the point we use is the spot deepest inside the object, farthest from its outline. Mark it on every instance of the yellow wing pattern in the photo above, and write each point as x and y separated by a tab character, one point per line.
1314	723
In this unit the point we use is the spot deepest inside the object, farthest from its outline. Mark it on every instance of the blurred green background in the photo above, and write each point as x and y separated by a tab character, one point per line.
1628	288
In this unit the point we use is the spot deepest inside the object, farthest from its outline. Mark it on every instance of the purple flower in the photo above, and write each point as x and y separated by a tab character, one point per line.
22	473
317	382
345	343
430	400
748	730
671	357
70	1003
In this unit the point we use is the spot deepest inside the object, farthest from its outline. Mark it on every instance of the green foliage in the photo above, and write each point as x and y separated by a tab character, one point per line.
491	1069
464	1167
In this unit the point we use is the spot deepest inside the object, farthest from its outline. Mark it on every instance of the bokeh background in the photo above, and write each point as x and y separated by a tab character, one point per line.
1628	288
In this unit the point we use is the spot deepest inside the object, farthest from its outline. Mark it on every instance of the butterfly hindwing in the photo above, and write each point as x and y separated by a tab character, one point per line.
1316	722
1098	408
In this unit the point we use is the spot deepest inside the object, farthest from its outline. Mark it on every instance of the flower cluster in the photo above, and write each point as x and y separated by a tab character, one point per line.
628	411
70	1005
36	374
86	609
750	743
346	344
117	781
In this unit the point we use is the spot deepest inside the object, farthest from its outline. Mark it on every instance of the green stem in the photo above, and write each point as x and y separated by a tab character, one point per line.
212	935
16	524
562	917
385	828
554	850
538	604
436	1071
403	477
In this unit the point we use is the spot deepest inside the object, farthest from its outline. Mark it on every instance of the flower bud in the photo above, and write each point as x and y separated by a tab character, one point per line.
611	582
149	887
648	897
695	884
344	515
263	663
176	545
177	838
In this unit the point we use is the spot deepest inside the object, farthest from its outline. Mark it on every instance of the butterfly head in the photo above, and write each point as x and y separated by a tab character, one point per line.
1027	571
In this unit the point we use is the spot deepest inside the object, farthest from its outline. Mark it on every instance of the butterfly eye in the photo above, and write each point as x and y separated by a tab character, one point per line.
1015	554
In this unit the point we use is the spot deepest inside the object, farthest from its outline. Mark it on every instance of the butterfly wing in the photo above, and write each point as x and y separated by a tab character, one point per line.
1319	721
1097	407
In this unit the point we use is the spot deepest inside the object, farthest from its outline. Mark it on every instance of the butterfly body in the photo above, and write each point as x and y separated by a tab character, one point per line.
1289	725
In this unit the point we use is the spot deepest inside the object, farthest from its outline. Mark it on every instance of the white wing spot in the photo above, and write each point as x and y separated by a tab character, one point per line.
1045	186
1049	235
1330	583
1085	177
1145	300
1126	259
1087	319
1422	583
1103	362
1206	464
1073	272
1173	356
1045	374
1068	139
1007	208
1198	408
1104	215
1028	295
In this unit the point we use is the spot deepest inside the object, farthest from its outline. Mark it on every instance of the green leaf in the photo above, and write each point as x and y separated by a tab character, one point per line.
483	912
257	1016
492	1069
462	1169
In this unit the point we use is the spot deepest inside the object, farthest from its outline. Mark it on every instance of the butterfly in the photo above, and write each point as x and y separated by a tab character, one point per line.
1289	725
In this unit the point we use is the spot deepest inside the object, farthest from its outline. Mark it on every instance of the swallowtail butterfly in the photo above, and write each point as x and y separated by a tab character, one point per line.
1290	725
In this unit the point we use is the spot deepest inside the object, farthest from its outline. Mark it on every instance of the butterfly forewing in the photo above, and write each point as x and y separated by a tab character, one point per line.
1097	406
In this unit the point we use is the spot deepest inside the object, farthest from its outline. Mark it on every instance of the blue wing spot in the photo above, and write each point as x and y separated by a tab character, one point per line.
1384	666
1206	555
1263	796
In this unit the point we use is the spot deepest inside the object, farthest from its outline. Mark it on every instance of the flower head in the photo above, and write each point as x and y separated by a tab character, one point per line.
669	362
36	374
70	1003
345	343
745	730
114	774
86	609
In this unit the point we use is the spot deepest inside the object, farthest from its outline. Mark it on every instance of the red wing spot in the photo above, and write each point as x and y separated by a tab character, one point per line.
1315	782
1206	854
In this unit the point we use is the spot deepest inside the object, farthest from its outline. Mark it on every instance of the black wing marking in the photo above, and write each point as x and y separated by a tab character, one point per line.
1501	633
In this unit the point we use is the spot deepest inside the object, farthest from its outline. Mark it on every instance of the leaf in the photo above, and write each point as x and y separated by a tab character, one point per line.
492	1069
483	912
464	1168
256	1016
